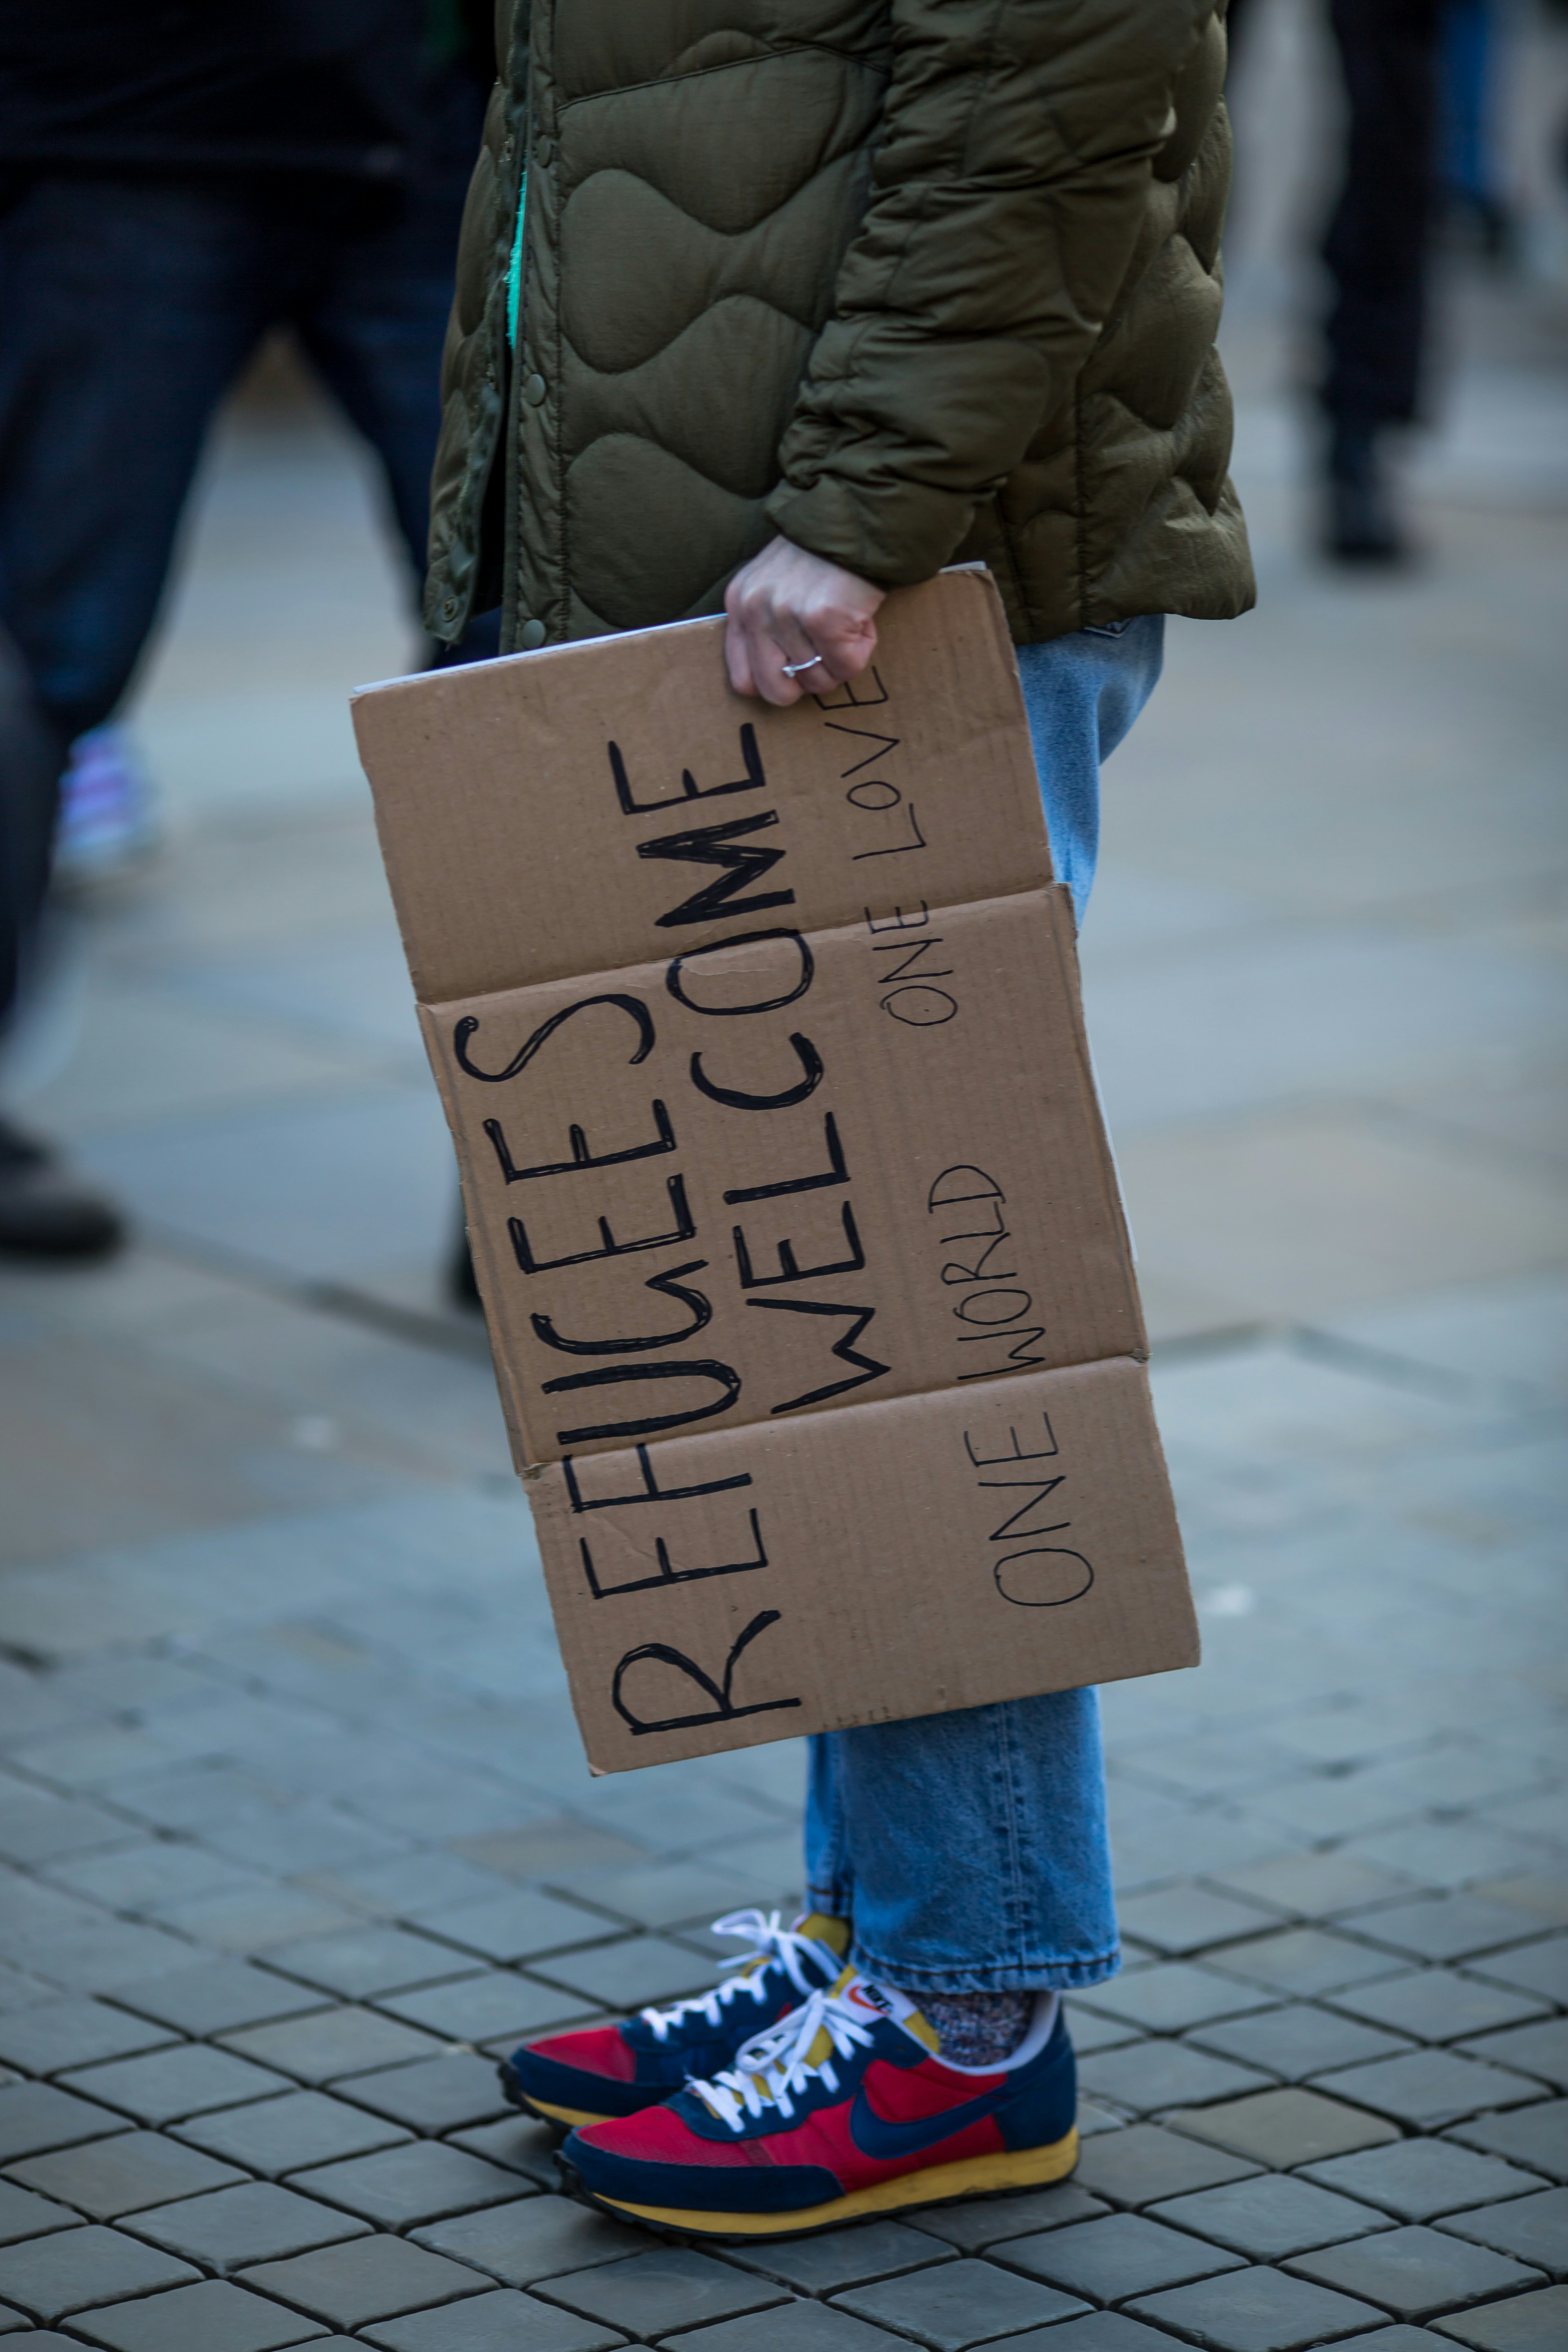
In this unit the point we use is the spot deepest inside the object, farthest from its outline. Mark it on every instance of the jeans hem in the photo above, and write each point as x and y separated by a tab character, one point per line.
1041	1976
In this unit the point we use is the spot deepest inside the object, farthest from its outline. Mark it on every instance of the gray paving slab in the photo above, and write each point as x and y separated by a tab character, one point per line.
1417	2180
986	2220
1415	2272
522	2243
1440	2005
1446	1927
216	1997
963	2303
1314	1886
1297	2042
1534	1968
1429	2088
360	1963
1270	2216
501	2321
1304	1961
1533	2229
38	2116
25	2214
168	2086
1097	2331
1172	1996
1144	2163
1181	1920
256	2222
50	2277
1283	2128
49	2036
363	2279
1535	2137
332	2043
843	2258
213	2317
525	1923
423	2181
1527	2323
1540	2049
660	2289
281	2135
1259	2310
106	2177
516	2143
435	2095
1111	2261
627	1975
495	2007
794	2327
1145	2076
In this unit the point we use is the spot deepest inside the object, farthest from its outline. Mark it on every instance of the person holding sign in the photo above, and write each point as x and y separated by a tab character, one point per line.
806	302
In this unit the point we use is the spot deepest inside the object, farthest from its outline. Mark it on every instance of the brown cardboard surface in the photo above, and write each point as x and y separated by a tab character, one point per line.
759	1036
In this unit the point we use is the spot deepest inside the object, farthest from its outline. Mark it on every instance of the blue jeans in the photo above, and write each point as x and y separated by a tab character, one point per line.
969	1849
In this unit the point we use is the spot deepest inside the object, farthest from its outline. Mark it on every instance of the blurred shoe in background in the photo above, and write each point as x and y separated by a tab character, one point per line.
1363	522
45	1210
108	820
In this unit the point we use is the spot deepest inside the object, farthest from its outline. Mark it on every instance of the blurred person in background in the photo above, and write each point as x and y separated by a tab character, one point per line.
176	182
1377	247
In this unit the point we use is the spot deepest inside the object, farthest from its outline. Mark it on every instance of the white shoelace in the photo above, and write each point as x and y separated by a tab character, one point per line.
776	2064
770	1940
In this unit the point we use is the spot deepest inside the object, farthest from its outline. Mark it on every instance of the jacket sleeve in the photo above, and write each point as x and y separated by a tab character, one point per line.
1009	188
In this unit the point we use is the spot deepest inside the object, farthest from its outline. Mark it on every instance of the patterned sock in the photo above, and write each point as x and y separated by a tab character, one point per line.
977	2029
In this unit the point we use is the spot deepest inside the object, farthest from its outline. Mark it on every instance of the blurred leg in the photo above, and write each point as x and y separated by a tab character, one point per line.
374	323
129	309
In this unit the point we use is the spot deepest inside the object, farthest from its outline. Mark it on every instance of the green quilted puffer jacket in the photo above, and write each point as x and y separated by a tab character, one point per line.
911	281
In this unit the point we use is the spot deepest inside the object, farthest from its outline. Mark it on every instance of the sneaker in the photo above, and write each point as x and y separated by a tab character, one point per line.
617	2070
843	2109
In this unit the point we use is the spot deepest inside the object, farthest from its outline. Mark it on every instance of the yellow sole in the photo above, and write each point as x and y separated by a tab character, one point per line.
976	2176
577	2118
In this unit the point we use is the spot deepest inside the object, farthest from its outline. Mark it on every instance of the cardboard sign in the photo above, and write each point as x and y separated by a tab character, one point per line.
797	1229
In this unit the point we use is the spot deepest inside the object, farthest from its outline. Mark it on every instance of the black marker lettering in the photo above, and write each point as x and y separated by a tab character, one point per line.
1042	1454
753	781
690	1369
685	1231
835	1172
1043	1580
843	1349
720	845
664	1141
650	1491
668	1575
882	742
672	1286
737	1098
674	978
632	1006
792	1270
724	1709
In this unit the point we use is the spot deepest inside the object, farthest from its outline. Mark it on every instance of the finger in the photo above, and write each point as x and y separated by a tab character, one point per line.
737	657
772	641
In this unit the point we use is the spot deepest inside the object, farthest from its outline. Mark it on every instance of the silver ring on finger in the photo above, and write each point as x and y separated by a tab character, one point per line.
796	669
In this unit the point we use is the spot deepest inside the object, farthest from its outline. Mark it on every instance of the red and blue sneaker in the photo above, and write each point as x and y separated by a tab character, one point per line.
843	2109
607	2071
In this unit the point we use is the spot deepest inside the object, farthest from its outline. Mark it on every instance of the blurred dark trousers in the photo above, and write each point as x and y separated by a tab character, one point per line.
1377	239
127	307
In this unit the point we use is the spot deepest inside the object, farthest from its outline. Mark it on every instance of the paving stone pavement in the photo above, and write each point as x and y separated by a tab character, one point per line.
295	1831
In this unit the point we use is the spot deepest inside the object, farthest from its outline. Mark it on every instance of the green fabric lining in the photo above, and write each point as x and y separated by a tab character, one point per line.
514	274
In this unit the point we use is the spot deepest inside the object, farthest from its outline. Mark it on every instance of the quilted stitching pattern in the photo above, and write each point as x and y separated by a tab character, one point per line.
749	250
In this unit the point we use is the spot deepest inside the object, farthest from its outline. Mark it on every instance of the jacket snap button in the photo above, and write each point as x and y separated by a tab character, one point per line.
533	391
531	636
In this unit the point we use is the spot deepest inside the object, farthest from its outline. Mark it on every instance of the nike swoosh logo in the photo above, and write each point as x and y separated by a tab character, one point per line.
881	2138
